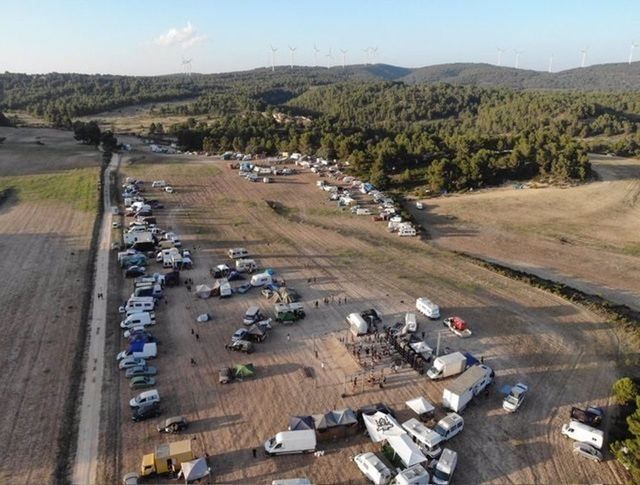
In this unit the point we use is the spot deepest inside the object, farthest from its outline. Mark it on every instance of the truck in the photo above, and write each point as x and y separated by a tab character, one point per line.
458	326
289	312
428	308
288	442
457	395
166	458
447	365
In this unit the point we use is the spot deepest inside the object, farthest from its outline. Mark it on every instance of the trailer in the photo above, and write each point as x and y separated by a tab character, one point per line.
458	326
457	395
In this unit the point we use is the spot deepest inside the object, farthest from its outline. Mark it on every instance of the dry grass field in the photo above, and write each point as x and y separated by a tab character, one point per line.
584	236
567	355
45	230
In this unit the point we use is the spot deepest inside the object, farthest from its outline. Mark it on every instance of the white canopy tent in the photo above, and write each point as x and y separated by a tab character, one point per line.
195	469
381	426
203	291
406	450
420	405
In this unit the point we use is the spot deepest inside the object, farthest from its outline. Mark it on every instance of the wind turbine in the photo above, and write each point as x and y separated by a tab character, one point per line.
584	56
518	58
500	52
550	62
292	49
344	57
329	57
315	53
633	46
374	51
186	63
273	58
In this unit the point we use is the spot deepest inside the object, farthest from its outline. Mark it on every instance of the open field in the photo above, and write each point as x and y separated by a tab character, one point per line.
46	222
586	237
567	355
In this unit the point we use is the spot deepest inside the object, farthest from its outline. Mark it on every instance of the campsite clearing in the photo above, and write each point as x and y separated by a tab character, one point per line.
524	334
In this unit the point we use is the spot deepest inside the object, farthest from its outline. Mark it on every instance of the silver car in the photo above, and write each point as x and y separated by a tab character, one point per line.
587	451
130	361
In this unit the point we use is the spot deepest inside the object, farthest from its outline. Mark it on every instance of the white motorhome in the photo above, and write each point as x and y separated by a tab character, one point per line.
457	395
237	253
373	468
261	279
357	324
287	442
427	439
158	184
138	305
137	319
146	397
248	265
445	467
428	308
407	231
447	365
578	431
414	475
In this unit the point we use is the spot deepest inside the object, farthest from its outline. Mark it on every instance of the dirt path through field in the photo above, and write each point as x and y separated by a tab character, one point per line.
86	459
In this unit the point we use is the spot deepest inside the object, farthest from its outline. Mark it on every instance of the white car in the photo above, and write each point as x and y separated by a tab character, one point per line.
587	451
168	189
514	399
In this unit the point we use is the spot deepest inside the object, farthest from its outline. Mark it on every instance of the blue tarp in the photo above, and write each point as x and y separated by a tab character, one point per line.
506	389
471	360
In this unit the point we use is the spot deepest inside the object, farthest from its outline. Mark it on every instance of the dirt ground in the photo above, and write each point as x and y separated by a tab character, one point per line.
567	355
45	254
584	236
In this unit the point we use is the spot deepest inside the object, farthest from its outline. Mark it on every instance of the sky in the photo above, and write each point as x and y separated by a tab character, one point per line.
141	37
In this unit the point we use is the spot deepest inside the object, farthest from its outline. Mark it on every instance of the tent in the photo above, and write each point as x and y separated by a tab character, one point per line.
194	470
245	370
405	449
324	421
420	405
301	422
344	417
205	317
380	426
203	291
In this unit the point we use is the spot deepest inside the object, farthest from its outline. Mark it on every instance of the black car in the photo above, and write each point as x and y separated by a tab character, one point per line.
146	411
134	272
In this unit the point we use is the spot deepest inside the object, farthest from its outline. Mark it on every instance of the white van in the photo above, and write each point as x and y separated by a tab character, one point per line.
138	319
248	265
445	467
414	475
261	279
158	184
357	324
373	468
581	432
136	305
148	351
287	442
449	426
428	308
237	253
146	397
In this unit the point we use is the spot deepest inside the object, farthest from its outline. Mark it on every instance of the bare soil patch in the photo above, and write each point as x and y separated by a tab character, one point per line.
566	354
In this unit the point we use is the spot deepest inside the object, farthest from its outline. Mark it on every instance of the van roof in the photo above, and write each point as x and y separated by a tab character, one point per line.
585	427
450	419
468	378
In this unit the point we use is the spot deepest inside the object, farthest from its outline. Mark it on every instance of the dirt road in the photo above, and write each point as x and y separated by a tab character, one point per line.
584	236
86	458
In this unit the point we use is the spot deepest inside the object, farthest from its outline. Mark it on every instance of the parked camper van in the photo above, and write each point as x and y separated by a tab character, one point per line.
373	468
407	231
138	305
248	265
428	308
447	365
146	397
427	439
357	324
414	475
445	467
449	426
138	319
287	442
578	431
154	291
261	279
457	395
237	253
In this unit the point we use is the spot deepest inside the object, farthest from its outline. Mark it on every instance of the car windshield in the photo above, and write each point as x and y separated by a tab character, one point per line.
440	430
441	475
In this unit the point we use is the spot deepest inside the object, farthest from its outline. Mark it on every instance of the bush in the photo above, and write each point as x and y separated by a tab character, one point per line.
625	391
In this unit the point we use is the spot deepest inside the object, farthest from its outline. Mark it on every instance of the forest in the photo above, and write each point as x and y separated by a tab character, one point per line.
446	137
